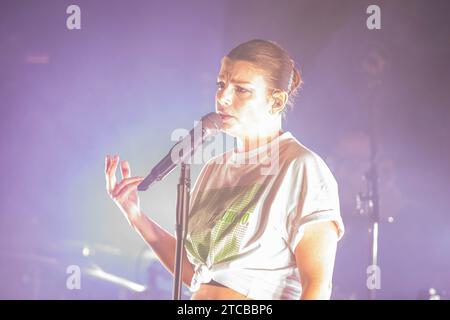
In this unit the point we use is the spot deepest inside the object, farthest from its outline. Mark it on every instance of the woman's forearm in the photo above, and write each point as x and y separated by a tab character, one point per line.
163	244
316	291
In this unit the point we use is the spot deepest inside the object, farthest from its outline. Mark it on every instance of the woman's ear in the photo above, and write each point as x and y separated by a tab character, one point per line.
280	98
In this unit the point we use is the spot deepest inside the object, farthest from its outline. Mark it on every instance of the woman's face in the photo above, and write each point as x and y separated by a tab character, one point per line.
242	99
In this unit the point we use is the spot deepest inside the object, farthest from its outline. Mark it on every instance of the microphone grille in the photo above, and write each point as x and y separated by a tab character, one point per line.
212	122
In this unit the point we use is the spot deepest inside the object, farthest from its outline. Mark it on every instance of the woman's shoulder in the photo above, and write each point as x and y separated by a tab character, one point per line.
293	152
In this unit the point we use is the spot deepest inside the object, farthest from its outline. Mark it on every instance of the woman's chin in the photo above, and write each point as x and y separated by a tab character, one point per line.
229	130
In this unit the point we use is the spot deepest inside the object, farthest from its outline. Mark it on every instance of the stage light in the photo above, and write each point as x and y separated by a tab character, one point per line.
86	251
97	272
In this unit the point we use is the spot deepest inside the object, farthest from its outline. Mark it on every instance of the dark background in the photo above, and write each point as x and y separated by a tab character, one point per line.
137	70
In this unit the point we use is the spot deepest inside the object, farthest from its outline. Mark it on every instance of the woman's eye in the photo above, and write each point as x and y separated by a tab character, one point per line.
220	85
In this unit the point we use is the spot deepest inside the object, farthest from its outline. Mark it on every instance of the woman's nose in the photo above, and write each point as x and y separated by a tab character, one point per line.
225	97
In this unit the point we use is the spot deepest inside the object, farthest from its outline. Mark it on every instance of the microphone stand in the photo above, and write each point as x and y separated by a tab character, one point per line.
371	200
374	65
374	203
183	199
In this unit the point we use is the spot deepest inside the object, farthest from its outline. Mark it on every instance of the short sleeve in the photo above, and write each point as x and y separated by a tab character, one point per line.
317	196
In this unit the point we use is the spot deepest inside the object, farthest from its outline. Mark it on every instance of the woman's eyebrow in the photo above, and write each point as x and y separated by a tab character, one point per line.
240	81
234	81
220	78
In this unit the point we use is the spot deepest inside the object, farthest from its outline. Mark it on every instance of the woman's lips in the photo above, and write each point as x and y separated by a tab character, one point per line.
225	117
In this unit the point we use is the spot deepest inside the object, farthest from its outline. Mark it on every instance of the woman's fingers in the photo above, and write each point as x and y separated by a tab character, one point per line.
126	173
127	190
107	164
125	169
124	188
109	184
124	185
112	172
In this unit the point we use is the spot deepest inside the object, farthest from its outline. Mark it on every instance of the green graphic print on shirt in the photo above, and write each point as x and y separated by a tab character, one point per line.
218	222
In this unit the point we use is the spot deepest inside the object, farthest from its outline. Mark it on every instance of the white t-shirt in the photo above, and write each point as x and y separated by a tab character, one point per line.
247	215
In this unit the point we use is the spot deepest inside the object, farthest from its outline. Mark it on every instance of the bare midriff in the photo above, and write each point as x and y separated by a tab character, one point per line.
212	292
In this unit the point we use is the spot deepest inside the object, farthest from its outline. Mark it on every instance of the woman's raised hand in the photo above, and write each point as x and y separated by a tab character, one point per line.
124	193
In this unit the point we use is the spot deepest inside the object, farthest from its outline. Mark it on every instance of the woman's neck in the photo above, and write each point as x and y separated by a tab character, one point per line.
249	142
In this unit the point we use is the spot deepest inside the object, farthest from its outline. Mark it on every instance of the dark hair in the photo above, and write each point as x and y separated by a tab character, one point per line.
278	67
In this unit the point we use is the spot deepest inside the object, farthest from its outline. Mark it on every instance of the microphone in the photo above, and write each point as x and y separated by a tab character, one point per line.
208	126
